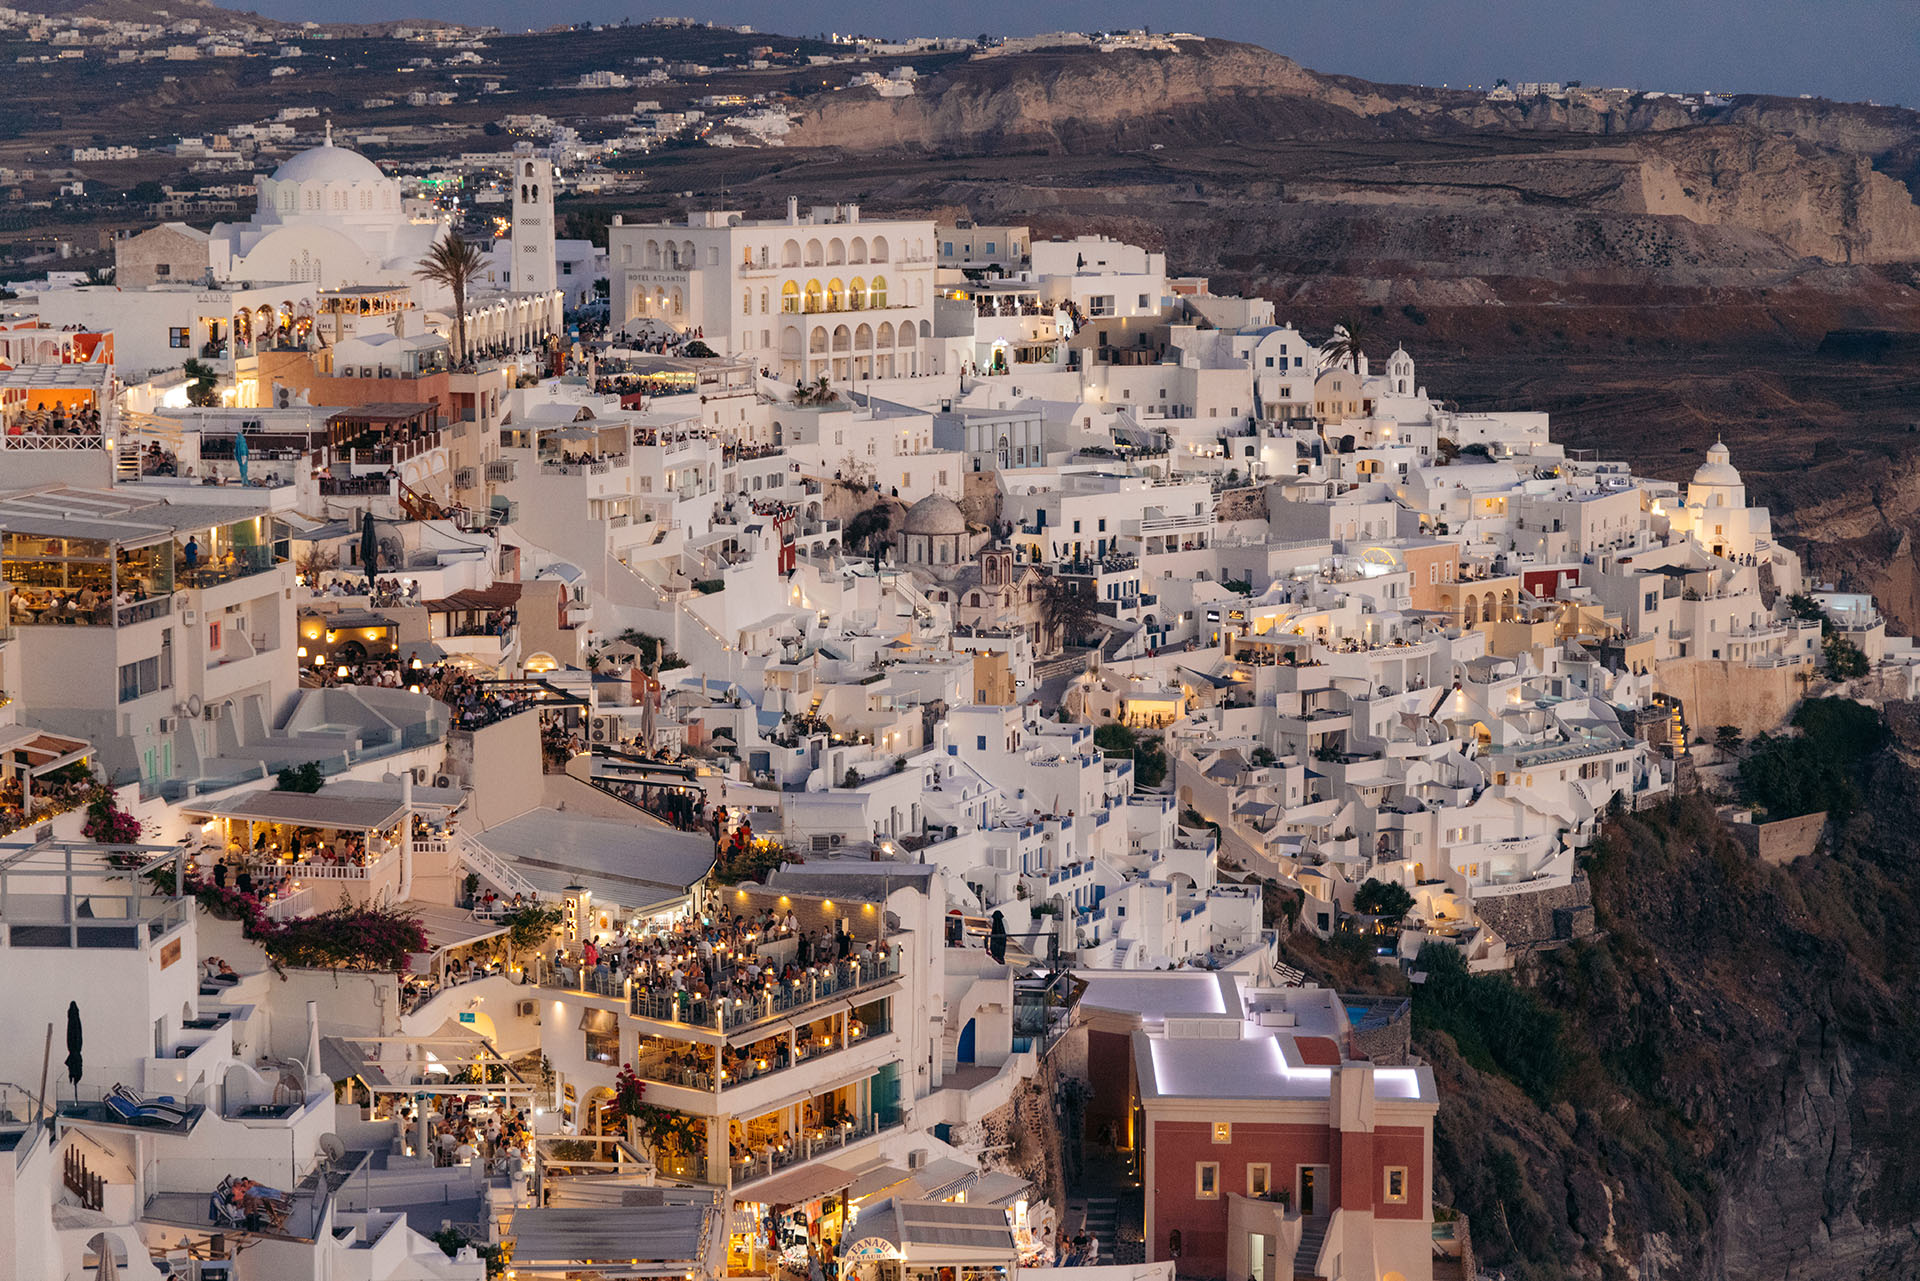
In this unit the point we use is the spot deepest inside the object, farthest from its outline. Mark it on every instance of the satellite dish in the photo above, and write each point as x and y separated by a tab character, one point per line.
333	1149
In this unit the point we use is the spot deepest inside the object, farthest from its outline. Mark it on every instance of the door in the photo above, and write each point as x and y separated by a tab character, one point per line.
1315	1191
1256	1256
965	1052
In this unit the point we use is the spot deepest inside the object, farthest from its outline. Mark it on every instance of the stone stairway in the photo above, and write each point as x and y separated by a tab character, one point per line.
1306	1260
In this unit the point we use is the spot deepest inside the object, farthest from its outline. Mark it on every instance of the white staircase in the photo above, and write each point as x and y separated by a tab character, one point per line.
491	867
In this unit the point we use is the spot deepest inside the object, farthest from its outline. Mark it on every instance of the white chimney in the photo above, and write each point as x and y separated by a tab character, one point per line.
793	211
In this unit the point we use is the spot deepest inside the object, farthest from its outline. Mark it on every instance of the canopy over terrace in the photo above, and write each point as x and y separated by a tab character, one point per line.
72	554
398	1068
638	1241
347	830
922	1235
53	406
27	754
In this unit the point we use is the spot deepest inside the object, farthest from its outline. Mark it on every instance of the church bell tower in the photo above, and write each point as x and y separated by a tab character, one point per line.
534	269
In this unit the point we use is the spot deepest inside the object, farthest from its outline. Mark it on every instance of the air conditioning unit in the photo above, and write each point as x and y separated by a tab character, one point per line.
443	780
217	711
419	774
528	1010
166	725
917	1159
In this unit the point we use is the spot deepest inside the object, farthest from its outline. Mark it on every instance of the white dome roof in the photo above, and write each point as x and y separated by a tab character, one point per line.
1718	469
328	163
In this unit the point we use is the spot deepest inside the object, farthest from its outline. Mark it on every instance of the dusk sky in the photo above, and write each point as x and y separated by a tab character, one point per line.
1846	49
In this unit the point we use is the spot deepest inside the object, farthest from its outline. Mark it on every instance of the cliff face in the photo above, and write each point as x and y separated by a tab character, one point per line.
1743	1079
1076	101
1801	175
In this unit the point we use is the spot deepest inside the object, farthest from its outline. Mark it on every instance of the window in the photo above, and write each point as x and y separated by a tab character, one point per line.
213	634
1206	1180
163	269
1223	1131
603	1045
141	678
1259	1180
981	743
1396	1185
1143	302
179	338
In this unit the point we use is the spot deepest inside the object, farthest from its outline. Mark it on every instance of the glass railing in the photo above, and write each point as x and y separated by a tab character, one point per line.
242	562
728	1012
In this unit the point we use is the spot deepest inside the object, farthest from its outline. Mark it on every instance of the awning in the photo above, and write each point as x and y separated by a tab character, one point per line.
943	1178
877	1179
931	1232
797	1187
599	1022
342	1060
640	1240
447	927
759	1032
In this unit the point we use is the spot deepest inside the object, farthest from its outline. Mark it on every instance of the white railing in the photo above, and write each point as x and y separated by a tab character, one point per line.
320	870
295	903
487	863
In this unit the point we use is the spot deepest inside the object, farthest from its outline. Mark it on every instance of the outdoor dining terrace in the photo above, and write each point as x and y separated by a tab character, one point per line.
770	998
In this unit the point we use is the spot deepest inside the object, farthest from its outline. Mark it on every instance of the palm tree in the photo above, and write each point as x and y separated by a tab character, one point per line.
455	263
1344	348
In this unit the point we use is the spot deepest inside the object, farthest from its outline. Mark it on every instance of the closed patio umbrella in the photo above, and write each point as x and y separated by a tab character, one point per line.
76	1062
369	548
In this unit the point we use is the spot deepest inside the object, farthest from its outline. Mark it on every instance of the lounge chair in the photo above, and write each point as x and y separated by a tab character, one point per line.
128	1114
163	1105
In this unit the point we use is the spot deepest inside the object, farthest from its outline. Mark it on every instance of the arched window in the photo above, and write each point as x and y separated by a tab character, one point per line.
836	252
857	250
877	291
764	297
816	298
529	168
746	302
790	298
856	293
879	249
836	295
790	254
536	192
814	253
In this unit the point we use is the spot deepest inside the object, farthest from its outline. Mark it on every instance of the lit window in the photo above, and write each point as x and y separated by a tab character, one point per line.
1223	1131
1206	1180
1259	1180
1396	1189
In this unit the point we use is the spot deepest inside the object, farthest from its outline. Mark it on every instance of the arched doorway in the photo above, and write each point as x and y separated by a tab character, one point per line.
964	1054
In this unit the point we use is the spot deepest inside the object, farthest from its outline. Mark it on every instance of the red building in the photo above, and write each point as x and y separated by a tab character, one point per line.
1267	1150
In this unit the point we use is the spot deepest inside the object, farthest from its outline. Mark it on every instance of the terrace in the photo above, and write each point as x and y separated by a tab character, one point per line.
71	894
98	559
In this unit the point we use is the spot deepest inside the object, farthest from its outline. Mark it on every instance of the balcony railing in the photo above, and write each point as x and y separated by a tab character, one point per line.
356	486
694	1069
820	983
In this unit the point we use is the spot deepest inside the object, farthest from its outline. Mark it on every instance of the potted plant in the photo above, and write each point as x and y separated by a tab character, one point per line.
472	887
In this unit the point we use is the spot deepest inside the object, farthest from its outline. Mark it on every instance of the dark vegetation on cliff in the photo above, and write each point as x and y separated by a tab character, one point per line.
1722	1084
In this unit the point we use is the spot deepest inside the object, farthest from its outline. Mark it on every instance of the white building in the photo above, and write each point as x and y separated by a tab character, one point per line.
824	294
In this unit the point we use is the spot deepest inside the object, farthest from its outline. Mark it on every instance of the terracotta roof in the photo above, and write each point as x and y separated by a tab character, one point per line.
1318	1051
498	596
